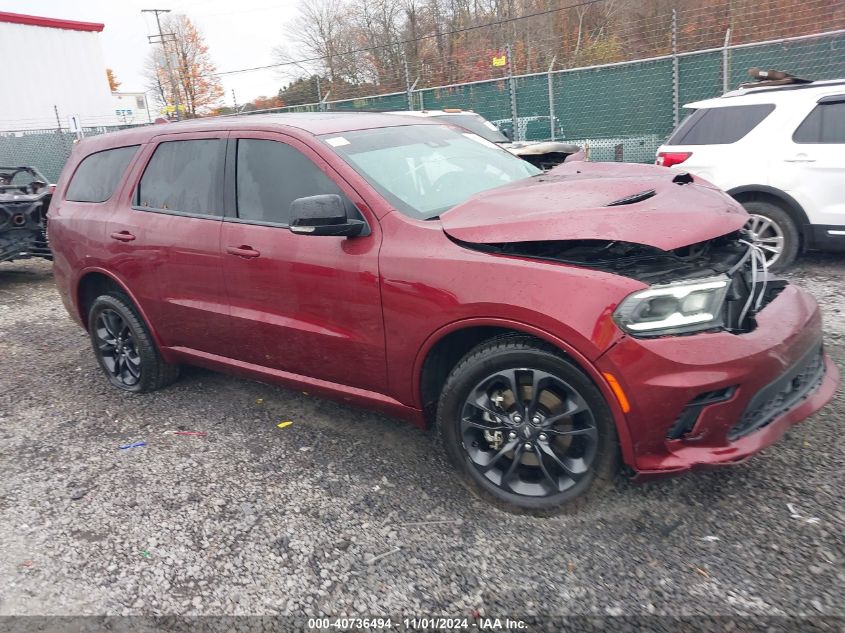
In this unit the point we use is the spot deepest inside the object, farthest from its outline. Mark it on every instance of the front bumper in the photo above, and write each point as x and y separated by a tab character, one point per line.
662	377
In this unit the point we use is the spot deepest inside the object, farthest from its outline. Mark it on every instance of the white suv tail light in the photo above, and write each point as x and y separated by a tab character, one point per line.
667	159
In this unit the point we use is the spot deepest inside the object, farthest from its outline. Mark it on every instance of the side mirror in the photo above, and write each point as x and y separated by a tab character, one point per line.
323	215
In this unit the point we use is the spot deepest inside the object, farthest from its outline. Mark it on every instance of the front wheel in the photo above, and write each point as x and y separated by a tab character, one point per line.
525	427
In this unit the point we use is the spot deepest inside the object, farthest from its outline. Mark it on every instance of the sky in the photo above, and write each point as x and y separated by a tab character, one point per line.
236	38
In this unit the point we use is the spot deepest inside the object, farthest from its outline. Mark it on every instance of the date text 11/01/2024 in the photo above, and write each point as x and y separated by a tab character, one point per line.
423	623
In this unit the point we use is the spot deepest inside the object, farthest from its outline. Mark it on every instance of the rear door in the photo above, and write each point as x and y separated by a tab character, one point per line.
309	305
817	153
164	239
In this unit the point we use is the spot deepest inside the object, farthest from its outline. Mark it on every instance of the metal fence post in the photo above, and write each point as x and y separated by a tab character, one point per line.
552	99
409	87
512	87
726	64
408	83
675	77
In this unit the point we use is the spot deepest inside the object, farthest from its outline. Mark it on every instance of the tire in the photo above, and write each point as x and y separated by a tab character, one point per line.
113	322
782	225
537	484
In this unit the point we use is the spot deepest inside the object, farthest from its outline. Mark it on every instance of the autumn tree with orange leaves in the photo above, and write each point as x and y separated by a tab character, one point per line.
181	70
114	84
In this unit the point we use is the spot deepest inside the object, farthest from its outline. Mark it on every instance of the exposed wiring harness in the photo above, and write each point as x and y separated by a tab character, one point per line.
759	267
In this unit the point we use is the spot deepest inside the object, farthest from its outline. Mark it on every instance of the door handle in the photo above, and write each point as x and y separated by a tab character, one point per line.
800	158
122	236
247	252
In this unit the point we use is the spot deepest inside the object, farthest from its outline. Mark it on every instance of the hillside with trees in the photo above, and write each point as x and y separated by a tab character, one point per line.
365	47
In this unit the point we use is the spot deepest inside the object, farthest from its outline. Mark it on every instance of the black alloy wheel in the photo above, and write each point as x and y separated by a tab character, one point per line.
124	347
529	432
526	426
117	349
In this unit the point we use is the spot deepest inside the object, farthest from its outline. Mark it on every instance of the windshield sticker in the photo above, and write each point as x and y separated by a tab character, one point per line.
337	141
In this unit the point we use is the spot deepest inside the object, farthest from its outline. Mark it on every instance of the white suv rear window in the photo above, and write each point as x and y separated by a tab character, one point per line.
718	126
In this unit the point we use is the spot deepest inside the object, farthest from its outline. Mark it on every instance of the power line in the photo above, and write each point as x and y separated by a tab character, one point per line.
411	41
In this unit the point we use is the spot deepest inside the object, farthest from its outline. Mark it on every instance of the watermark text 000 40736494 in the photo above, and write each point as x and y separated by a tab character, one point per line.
401	623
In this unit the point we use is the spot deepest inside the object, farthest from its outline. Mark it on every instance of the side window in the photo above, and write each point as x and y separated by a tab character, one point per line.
716	126
98	175
184	176
271	175
825	124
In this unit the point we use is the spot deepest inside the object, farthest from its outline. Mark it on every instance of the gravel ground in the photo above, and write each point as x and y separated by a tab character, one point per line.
253	519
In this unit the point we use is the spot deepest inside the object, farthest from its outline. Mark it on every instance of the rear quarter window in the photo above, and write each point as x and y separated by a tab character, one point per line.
824	124
98	175
719	126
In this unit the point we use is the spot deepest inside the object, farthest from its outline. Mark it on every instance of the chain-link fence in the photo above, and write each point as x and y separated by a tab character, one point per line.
45	149
611	74
529	76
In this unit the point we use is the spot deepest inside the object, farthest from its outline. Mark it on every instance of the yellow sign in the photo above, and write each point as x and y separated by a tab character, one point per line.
500	61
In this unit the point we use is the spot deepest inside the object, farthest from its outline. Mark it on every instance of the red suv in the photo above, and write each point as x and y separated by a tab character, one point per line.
549	325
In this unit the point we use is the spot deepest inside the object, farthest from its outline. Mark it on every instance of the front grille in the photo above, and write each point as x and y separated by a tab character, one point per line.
782	395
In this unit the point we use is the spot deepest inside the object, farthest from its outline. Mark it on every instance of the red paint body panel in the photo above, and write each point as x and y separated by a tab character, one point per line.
429	282
355	318
570	203
173	265
661	376
304	304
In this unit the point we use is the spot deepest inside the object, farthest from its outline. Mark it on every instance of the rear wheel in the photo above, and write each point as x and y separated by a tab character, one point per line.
124	347
774	232
525	427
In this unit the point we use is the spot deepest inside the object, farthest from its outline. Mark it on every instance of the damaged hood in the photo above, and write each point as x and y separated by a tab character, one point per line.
641	204
540	148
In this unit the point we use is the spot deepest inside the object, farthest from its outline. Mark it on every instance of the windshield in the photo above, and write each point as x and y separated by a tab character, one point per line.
424	170
476	123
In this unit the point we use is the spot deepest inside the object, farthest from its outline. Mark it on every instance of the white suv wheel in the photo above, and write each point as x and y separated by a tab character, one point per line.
768	235
774	232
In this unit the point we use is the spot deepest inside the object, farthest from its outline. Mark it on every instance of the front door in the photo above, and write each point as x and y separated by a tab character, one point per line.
309	305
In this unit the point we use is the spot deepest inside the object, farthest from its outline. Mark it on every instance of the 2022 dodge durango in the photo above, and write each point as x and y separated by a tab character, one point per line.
548	325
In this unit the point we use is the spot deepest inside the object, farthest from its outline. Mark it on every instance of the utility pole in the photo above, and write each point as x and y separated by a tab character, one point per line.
163	41
235	100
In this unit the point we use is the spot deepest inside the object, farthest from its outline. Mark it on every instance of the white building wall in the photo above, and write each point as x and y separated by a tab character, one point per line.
52	67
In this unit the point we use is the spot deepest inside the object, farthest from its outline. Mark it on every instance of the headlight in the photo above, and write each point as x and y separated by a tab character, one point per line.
687	306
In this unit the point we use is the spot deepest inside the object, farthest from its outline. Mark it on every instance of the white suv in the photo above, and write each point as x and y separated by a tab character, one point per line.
780	151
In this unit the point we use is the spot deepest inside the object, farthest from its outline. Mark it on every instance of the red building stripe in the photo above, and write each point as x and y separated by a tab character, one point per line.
52	23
